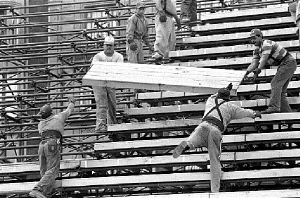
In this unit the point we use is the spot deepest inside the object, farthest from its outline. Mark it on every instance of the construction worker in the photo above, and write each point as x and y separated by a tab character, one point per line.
165	38
106	97
188	12
136	34
218	113
271	53
51	128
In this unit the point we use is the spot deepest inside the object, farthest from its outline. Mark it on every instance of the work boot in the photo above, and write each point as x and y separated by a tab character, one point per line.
37	194
270	110
183	146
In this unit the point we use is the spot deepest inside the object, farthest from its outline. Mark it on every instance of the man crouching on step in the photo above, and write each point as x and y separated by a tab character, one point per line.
218	113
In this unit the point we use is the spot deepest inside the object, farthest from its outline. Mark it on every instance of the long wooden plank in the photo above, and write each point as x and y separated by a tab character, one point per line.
241	194
242	89
290	136
270	10
188	123
237	62
174	109
156	77
225	50
237	36
15	168
141	180
244	24
189	159
149	179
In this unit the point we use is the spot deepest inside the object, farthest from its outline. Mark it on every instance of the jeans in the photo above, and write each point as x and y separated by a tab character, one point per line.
189	9
49	157
135	56
280	83
165	38
209	136
105	105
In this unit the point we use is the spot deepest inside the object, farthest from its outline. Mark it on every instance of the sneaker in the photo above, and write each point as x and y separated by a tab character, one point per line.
157	56
183	146
270	110
37	194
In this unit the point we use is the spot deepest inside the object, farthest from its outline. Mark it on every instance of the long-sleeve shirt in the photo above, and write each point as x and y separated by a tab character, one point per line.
101	57
56	122
137	28
228	110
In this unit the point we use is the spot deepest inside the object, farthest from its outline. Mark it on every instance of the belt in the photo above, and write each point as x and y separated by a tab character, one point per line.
48	134
214	121
283	58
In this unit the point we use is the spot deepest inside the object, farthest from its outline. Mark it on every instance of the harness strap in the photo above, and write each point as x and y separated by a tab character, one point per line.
214	120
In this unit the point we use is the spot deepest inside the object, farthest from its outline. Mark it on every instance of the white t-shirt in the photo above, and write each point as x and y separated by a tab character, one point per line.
101	57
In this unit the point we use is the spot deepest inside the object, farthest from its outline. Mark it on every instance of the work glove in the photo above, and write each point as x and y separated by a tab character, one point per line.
257	114
72	99
162	17
256	72
229	86
133	47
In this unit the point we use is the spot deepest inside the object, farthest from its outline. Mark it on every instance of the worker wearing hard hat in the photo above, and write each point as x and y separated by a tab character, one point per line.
105	96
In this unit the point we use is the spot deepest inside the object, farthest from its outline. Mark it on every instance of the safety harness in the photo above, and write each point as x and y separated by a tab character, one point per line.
213	120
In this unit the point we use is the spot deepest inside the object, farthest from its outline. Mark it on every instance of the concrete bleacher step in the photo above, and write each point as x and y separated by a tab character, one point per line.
173	179
153	161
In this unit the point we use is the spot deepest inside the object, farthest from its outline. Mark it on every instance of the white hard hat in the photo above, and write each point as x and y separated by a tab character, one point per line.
109	40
